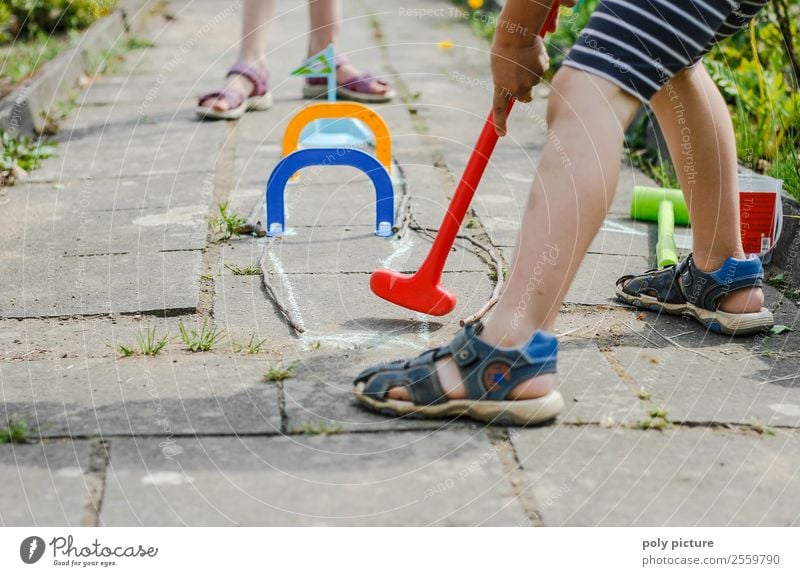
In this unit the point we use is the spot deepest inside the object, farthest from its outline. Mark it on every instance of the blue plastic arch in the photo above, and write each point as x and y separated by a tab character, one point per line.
299	159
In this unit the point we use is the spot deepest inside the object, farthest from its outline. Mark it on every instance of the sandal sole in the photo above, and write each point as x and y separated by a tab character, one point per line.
500	413
258	103
716	321
314	92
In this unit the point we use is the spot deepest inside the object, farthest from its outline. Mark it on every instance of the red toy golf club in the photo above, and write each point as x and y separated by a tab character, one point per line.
422	291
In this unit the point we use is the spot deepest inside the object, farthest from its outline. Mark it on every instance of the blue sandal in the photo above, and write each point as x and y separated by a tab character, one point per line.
489	375
686	290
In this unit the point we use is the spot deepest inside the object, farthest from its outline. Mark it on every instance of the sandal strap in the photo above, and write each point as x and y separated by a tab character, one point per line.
417	375
663	282
707	289
362	83
488	373
252	73
491	373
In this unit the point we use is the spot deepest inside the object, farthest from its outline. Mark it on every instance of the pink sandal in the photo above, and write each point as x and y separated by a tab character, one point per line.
258	99
358	89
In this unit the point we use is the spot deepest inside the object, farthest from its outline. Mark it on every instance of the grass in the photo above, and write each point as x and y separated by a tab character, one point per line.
251	270
201	340
253	346
322	429
644	394
761	428
24	58
471	223
147	342
16	431
229	222
277	374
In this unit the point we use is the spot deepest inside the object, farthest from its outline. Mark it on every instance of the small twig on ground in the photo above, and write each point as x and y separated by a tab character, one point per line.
295	323
640	335
496	261
676	344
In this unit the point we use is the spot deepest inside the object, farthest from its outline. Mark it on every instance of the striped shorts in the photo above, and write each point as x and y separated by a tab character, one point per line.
640	44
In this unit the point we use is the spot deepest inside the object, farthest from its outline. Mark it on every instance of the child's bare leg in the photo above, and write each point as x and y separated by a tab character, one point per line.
325	20
256	16
699	132
573	188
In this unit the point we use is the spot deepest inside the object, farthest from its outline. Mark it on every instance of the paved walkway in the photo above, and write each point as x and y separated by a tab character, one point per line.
111	237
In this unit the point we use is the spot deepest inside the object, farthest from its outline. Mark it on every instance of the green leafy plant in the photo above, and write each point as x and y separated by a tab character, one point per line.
229	222
201	340
20	156
30	18
16	431
278	374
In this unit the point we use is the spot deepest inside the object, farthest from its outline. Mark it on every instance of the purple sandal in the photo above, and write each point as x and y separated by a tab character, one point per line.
358	89
258	99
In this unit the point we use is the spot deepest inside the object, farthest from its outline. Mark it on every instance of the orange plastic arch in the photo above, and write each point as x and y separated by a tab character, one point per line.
383	140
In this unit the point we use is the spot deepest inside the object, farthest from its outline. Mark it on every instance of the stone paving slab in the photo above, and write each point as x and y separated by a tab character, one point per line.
685	477
735	388
148	193
183	150
166	395
84	337
43	484
340	311
365	479
592	391
596	278
106	284
347	250
320	397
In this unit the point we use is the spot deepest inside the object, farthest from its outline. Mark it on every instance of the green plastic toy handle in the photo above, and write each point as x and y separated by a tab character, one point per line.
666	249
646	202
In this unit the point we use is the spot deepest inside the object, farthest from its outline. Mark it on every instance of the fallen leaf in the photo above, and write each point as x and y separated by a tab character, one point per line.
779	329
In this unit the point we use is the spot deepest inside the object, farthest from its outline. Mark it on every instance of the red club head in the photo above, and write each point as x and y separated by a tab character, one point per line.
412	291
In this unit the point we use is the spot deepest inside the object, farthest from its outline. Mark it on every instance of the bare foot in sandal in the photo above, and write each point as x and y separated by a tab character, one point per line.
469	377
351	85
245	89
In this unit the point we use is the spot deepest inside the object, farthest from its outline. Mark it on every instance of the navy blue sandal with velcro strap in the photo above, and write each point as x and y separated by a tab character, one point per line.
686	290
489	374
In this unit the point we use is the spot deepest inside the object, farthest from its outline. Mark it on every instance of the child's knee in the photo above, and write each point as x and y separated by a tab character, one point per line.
576	96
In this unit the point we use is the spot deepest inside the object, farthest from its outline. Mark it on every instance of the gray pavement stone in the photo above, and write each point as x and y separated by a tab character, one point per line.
49	285
596	278
320	396
43	484
347	250
734	387
592	391
170	394
583	476
447	477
